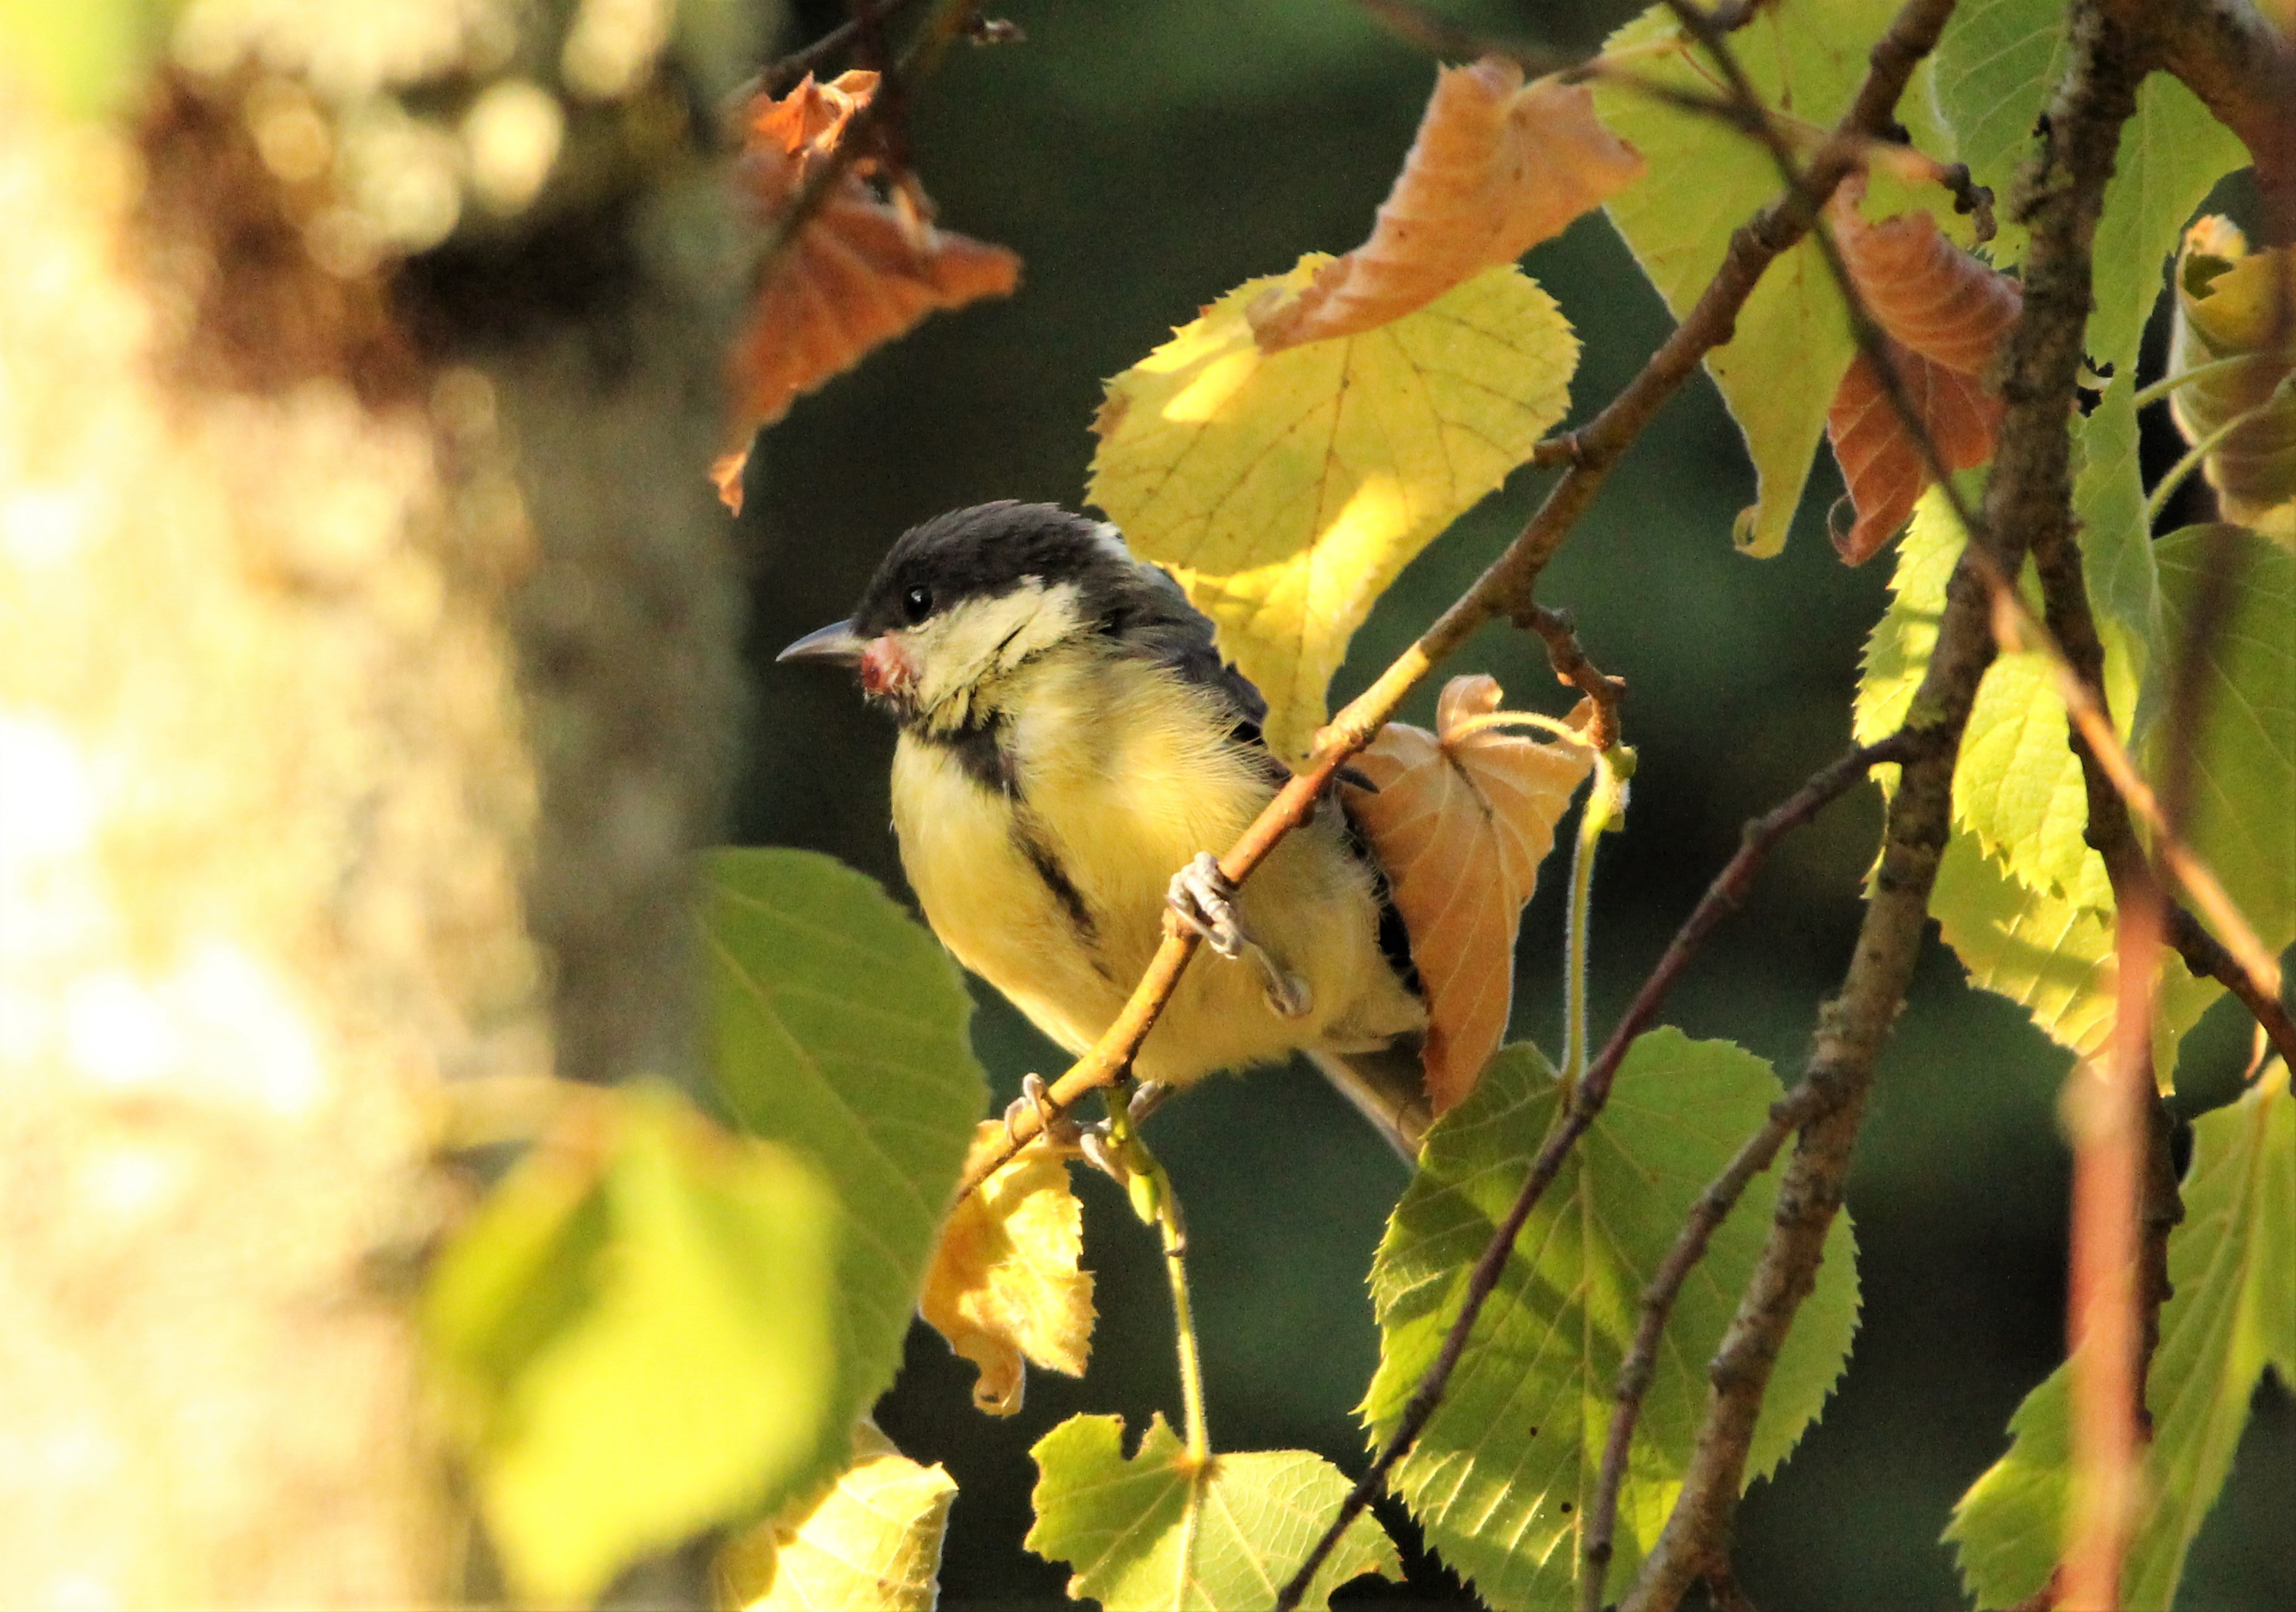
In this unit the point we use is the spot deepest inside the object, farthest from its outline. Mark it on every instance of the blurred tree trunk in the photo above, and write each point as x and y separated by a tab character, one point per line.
360	699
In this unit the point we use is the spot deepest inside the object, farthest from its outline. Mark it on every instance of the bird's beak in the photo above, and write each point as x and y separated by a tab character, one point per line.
836	644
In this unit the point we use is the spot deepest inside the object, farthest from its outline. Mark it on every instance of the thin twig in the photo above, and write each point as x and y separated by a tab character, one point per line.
2030	492
777	78
1560	633
2104	1305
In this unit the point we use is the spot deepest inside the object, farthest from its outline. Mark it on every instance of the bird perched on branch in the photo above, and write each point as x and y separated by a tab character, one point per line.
1068	738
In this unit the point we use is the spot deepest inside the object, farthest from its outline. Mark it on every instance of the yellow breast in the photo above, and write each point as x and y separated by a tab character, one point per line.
1053	890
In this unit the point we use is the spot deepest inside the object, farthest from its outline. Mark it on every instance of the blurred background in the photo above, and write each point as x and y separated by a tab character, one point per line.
539	186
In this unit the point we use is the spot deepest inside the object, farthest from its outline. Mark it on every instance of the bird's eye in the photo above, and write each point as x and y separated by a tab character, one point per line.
917	604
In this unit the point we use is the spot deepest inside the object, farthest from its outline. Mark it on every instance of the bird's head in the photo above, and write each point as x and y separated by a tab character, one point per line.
966	599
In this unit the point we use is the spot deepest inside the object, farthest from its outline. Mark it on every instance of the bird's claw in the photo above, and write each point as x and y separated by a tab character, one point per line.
1203	899
1036	1097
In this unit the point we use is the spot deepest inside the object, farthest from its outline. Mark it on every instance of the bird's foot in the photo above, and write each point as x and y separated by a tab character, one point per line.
1203	899
1056	1128
1101	1146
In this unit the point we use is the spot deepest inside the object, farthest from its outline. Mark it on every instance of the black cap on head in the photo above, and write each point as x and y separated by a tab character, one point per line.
986	551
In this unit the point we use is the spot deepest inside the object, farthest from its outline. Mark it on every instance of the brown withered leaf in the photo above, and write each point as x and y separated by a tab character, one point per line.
1004	1286
808	123
1925	291
1460	823
1945	313
860	272
1881	465
1499	165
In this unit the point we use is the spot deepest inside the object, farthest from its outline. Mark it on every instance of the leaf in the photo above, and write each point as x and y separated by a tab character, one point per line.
840	1030
2017	784
1160	1533
1286	491
2052	957
1881	466
860	273
1778	373
2231	302
1497	167
2116	542
1502	1476
868	1543
1944	313
2244	758
635	1336
2231	1312
1460	821
1997	64
1004	1285
1923	290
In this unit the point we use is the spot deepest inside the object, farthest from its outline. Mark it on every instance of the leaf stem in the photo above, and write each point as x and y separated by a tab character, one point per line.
1606	805
2202	449
2146	396
1155	1201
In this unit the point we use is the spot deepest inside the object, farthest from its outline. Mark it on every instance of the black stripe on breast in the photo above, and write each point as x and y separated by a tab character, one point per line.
1056	880
978	749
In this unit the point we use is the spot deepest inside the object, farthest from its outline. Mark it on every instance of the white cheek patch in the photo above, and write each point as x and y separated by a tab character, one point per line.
976	641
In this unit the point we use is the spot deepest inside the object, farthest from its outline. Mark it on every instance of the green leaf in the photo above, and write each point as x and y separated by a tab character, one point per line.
2244	810
2017	784
1778	373
1998	65
2052	957
2232	1313
1161	1533
2116	543
1503	1475
840	1029
870	1542
634	1336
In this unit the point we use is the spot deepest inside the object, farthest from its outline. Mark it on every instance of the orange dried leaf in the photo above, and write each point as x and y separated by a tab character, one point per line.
1944	313
859	275
1004	1286
1881	465
807	124
1460	823
1497	167
1926	292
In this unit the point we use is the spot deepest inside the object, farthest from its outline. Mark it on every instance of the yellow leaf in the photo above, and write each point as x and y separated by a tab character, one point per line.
1286	491
1460	823
1004	1285
2232	303
869	1541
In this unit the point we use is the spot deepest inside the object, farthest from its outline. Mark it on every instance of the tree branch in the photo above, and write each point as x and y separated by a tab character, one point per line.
2028	495
2243	69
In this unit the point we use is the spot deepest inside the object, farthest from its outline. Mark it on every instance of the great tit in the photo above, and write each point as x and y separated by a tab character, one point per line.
1068	738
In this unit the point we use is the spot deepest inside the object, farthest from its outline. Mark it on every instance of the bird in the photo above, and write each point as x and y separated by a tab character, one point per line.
1072	750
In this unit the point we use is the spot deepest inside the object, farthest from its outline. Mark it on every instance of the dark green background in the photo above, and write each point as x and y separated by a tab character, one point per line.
1144	158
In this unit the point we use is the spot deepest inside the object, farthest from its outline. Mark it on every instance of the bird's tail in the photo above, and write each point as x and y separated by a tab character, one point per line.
1388	1088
